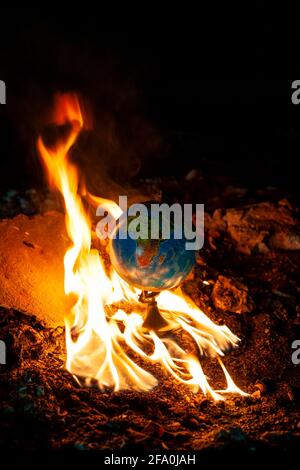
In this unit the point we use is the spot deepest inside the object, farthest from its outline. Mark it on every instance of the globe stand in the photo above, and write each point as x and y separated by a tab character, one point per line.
153	318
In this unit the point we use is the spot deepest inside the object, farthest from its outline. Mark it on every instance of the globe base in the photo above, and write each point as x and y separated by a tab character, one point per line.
153	319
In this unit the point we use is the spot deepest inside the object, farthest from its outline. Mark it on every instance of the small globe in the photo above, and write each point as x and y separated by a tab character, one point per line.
149	264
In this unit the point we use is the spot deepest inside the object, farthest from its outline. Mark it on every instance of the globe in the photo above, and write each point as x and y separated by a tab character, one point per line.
151	264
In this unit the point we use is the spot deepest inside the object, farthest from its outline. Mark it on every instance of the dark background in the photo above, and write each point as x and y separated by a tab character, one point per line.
159	108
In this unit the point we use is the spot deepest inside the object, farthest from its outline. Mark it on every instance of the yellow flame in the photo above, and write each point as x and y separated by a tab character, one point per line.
105	339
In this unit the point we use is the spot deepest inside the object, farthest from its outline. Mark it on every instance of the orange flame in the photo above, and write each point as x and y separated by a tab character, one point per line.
101	338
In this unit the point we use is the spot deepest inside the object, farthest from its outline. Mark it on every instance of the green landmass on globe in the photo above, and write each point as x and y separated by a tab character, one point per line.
151	264
148	248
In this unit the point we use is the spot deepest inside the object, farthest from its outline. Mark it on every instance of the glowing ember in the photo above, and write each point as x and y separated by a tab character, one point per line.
101	338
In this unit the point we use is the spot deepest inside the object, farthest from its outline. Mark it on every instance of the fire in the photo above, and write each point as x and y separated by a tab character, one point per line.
104	341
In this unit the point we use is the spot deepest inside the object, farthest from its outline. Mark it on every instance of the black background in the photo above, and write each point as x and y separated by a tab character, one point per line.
160	104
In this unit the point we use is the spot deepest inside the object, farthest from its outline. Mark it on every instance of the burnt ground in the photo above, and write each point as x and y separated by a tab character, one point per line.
255	294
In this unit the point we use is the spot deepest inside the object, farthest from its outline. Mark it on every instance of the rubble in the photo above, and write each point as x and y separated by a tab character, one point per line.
61	415
232	296
257	229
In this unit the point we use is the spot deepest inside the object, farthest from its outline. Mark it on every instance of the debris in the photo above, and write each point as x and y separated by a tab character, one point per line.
261	387
59	414
231	296
258	228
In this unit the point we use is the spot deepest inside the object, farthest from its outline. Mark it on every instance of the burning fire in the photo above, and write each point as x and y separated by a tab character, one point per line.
102	339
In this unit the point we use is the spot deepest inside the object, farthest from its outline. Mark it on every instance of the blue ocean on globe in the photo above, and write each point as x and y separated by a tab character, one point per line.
150	264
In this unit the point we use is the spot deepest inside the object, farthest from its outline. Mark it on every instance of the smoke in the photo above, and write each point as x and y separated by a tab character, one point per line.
50	59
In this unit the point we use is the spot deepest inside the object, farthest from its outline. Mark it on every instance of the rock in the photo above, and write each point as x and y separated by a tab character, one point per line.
261	387
256	394
231	296
31	265
258	228
286	240
247	235
231	434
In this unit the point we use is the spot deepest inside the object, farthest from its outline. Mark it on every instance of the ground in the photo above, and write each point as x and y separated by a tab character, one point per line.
255	294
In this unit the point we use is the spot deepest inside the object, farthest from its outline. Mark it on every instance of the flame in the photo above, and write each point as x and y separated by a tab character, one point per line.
105	339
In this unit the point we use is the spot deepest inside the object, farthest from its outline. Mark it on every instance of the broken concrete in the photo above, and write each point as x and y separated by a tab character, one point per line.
31	265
